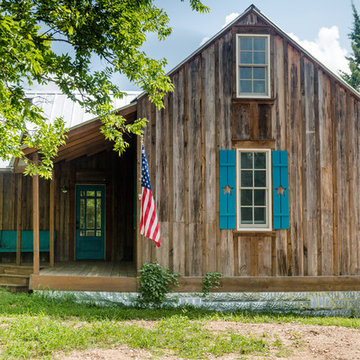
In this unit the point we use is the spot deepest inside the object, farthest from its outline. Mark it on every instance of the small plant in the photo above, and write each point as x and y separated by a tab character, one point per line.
211	280
155	283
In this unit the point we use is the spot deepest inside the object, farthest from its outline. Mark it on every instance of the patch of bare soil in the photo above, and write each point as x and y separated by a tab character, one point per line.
299	342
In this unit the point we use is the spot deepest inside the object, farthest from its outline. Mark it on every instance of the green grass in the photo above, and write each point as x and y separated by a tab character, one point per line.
34	326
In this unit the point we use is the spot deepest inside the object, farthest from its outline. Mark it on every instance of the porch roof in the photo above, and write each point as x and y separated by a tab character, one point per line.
56	104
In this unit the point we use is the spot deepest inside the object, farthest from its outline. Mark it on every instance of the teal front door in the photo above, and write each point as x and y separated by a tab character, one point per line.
90	222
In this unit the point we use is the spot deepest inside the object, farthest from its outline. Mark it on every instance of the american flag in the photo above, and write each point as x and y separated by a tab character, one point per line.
149	225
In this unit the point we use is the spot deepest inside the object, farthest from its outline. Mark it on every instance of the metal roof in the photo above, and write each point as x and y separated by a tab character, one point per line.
56	104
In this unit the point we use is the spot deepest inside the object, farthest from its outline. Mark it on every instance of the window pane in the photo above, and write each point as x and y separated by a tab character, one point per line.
246	178
245	72
259	215
259	197
98	193
82	193
246	160
98	232
259	87
246	197
260	178
90	214
245	43
260	160
245	86
259	57
90	233
90	193
82	233
246	215
259	43
246	57
259	73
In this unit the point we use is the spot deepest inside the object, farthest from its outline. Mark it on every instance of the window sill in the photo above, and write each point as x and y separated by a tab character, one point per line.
253	233
246	100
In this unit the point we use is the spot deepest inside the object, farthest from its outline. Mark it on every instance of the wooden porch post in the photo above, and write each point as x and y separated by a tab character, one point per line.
52	220
18	219
36	255
138	244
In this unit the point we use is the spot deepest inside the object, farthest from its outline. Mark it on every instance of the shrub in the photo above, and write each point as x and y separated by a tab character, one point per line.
211	280
155	283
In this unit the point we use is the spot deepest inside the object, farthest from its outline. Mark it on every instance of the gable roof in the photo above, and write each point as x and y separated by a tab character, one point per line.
254	9
56	104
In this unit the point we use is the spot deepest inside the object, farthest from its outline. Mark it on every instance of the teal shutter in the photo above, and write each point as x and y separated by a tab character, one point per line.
280	189
227	189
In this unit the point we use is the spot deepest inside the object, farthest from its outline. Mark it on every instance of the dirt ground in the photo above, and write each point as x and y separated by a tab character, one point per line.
300	342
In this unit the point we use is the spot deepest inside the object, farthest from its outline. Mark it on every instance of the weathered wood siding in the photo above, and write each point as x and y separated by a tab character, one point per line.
310	114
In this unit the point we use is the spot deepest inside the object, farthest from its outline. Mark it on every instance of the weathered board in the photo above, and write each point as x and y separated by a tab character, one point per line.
310	114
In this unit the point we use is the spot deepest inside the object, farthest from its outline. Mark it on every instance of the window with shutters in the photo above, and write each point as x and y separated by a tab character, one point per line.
252	66
254	189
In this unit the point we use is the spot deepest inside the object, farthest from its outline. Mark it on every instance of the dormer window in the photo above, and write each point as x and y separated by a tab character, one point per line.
253	66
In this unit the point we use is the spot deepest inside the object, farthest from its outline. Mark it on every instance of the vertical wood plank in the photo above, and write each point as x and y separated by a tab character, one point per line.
326	175
296	163
52	220
210	189
18	218
36	254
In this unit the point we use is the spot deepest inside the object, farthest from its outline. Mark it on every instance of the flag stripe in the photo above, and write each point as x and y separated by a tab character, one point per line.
149	224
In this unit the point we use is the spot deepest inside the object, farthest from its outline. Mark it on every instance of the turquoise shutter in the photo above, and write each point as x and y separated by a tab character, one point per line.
227	189
280	188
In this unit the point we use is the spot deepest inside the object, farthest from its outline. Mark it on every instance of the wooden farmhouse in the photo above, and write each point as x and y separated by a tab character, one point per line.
254	165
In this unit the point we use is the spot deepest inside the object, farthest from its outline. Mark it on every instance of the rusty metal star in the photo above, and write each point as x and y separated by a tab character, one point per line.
280	190
227	189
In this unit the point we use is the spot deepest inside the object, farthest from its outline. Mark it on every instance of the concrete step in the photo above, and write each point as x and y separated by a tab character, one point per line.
16	270
10	279
15	288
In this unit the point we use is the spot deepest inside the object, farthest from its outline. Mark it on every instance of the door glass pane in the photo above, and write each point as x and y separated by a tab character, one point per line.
90	233
98	213
247	178
98	193
82	213
90	213
98	232
82	233
90	193
260	178
246	215
246	197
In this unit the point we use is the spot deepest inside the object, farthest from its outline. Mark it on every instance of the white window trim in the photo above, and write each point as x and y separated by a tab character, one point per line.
255	96
269	180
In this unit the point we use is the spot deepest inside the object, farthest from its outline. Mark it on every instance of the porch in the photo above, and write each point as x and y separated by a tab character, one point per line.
86	276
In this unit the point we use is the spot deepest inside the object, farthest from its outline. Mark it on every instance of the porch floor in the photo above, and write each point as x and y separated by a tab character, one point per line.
91	268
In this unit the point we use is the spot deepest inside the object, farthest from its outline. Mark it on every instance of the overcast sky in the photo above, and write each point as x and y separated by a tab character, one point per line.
320	26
